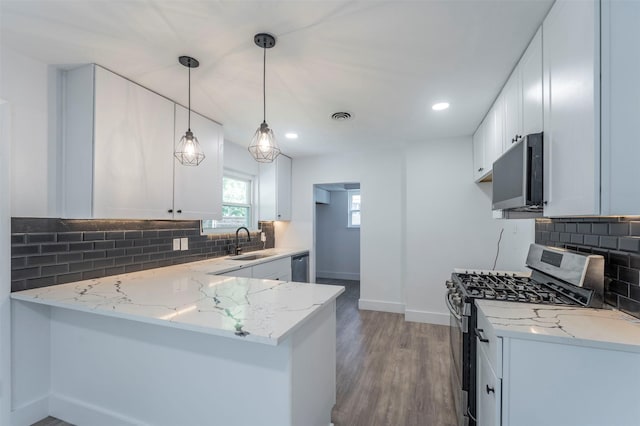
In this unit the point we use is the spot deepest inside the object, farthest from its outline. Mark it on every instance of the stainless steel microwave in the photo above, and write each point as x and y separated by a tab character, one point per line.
517	176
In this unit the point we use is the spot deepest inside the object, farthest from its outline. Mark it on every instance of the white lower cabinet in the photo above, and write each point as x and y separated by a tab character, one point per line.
489	392
532	381
279	269
275	270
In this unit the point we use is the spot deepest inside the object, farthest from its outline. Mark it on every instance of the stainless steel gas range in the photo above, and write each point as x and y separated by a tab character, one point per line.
557	277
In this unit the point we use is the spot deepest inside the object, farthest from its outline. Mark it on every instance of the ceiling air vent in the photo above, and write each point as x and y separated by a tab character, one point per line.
340	116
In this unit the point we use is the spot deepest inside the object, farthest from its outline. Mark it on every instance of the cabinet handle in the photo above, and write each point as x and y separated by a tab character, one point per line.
545	202
481	169
178	211
490	390
480	335
279	215
170	211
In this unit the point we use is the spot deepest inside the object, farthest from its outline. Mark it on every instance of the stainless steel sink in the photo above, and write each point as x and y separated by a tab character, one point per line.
250	256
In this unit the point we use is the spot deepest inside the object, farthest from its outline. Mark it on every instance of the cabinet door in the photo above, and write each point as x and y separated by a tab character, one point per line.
488	393
478	152
493	133
275	189
267	191
198	189
531	86
512	110
133	150
620	107
283	188
571	109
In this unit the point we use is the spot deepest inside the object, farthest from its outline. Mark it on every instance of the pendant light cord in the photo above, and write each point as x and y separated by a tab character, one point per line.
189	114
264	85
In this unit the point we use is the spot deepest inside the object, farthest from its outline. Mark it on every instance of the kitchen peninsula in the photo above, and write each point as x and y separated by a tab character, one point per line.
175	345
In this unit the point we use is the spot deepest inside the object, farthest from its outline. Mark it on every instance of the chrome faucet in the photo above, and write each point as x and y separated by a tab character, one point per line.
237	249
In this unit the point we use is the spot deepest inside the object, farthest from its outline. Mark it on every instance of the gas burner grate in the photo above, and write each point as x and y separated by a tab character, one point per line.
512	288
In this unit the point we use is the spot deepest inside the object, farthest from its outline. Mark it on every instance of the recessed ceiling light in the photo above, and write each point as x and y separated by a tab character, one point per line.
440	106
291	135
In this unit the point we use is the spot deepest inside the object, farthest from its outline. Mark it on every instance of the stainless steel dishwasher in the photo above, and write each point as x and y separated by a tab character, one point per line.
300	268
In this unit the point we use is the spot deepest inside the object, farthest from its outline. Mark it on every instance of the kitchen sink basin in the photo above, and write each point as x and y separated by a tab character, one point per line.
250	256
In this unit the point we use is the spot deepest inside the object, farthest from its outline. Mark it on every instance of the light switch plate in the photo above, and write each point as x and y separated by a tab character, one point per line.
184	243
176	244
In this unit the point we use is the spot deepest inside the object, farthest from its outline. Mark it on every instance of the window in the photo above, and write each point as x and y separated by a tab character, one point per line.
237	209
354	208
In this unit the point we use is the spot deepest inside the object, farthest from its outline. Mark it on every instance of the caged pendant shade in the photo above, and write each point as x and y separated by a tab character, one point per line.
188	151
263	147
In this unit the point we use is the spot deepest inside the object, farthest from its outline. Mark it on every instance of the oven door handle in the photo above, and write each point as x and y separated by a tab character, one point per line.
450	306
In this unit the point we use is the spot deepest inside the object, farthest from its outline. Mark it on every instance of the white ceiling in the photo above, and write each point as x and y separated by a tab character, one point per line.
386	62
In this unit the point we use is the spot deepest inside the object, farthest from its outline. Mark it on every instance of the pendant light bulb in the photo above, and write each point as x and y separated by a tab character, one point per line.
263	147
188	151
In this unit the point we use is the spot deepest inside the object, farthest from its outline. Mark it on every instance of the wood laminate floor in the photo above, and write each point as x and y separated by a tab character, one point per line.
389	372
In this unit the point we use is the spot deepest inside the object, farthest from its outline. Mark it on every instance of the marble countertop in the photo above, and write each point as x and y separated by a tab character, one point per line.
603	328
190	297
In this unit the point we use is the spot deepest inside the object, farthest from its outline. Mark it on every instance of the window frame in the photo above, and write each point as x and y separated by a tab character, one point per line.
350	211
251	196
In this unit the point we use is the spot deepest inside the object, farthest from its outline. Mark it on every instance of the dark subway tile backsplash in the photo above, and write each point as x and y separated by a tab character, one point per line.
617	239
47	251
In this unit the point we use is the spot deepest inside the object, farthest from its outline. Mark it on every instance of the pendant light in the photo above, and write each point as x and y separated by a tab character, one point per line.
263	147
188	151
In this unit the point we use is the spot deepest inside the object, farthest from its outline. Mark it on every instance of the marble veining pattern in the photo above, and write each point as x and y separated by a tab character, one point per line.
573	325
258	310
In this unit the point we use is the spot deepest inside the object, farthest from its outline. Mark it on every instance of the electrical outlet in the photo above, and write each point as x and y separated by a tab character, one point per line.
176	244
184	243
263	237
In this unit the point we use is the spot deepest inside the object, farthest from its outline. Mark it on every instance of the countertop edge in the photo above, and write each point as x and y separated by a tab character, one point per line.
183	326
502	330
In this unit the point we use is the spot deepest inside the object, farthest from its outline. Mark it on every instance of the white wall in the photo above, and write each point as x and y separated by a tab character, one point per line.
449	225
237	158
337	245
30	86
5	272
422	215
380	175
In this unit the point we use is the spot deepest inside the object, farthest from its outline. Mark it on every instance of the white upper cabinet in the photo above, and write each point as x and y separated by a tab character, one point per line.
133	147
516	112
494	130
117	150
571	100
198	189
478	153
487	142
512	94
530	68
620	108
275	189
117	153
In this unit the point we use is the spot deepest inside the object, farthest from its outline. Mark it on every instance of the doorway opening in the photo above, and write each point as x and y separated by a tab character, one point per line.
337	233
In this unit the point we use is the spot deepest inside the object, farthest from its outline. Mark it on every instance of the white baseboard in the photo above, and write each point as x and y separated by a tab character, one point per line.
78	412
338	275
31	412
379	305
426	317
